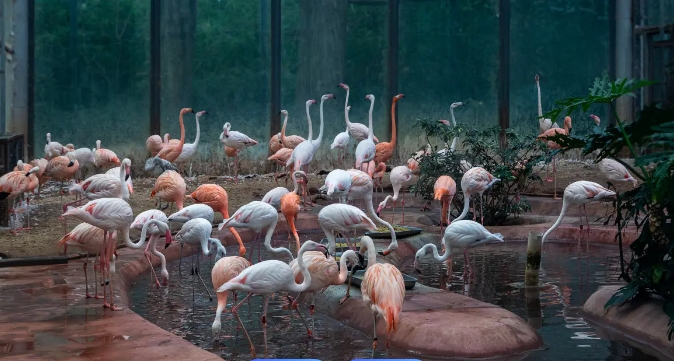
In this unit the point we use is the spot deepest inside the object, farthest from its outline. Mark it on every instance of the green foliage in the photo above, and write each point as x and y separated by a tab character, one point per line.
512	164
650	270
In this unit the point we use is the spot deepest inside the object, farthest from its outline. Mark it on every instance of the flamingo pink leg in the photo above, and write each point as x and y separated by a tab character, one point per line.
146	253
235	311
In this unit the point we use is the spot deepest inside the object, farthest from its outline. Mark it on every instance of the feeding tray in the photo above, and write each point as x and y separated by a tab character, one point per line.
357	279
409	231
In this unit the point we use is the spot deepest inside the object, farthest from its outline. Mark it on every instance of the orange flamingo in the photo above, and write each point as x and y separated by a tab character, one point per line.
552	145
384	150
224	270
290	141
172	151
275	143
281	157
20	165
216	197
170	187
290	205
17	183
62	168
445	189
105	158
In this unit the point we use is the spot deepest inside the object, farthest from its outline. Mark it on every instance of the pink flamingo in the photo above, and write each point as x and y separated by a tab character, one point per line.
615	172
343	219
105	158
366	149
223	271
62	168
357	130
103	186
475	182
236	140
172	150
155	222
17	183
266	278
281	158
170	187
445	189
53	149
337	184
552	145
401	177
290	141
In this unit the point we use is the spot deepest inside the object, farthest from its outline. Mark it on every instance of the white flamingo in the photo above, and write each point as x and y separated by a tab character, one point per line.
236	140
343	219
366	149
153	221
357	130
190	149
303	154
341	140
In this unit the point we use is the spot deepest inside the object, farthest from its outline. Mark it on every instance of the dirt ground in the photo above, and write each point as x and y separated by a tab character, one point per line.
46	230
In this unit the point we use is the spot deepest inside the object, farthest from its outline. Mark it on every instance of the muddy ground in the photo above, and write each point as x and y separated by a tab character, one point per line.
46	229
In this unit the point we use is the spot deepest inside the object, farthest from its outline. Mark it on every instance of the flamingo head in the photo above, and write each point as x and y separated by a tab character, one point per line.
417	257
381	206
370	97
199	114
186	110
343	86
126	163
226	128
456	105
310	101
567	123
328	96
397	97
536	78
444	121
596	119
284	113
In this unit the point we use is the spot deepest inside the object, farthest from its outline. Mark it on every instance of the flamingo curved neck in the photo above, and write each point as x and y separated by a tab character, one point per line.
370	131
267	241
220	248
294	287
366	242
466	206
436	255
196	139
309	120
182	130
317	142
143	234
342	268
283	130
451	110
393	123
297	186
540	107
371	212
565	205
346	110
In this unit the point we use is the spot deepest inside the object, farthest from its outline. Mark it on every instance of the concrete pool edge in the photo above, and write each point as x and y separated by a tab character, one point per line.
644	324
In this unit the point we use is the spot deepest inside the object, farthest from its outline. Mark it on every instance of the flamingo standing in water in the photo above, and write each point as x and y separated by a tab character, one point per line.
581	193
266	278
155	222
190	149
343	219
109	214
290	206
341	140
324	272
303	154
552	145
104	158
401	177
290	141
384	150
216	197
357	130
223	271
444	191
366	149
17	183
236	140
171	152
462	234
170	187
255	216
475	182
89	239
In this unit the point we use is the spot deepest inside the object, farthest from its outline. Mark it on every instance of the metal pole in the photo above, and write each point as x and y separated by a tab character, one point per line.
72	55
264	30
392	59
623	54
611	53
155	67
504	70
275	96
30	133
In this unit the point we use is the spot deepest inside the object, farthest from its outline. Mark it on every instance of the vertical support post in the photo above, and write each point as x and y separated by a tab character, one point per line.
72	57
30	131
3	62
504	70
155	67
611	53
624	53
534	245
18	123
264	60
275	96
392	61
534	314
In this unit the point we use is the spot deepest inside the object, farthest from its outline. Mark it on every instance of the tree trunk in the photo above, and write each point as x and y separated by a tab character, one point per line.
178	29
321	48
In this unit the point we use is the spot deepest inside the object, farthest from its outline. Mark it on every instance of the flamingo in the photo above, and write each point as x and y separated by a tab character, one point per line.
104	158
290	205
337	184
17	183
444	191
127	177
41	176
383	291
190	149
154	144
216	197
20	165
192	211
303	154
463	164
266	278
475	181
376	173
463	234
109	214
170	187
581	193
223	271
341	140
401	177
543	123
413	161
255	216
155	222
343	219
62	168
366	149
281	158
158	166
384	150
171	152
273	197
85	157
89	239
552	145
230	153
275	143
290	141
53	149
357	130
615	172
236	140
324	272
197	231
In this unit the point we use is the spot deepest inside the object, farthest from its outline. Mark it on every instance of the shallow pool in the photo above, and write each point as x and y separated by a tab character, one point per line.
571	275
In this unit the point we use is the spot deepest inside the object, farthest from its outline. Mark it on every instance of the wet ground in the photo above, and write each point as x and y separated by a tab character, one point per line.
570	275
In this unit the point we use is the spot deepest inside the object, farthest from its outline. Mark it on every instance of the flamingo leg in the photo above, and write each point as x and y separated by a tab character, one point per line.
86	280
294	305
265	302
235	311
103	255
146	253
588	224
554	175
236	168
96	296
481	210
374	334
196	271
311	312
403	206
348	292
111	252
259	249
252	249
180	260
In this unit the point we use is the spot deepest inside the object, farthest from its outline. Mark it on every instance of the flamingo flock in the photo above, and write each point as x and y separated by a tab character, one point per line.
102	206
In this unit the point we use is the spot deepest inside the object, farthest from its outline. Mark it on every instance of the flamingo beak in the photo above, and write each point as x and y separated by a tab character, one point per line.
168	238
321	248
72	163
